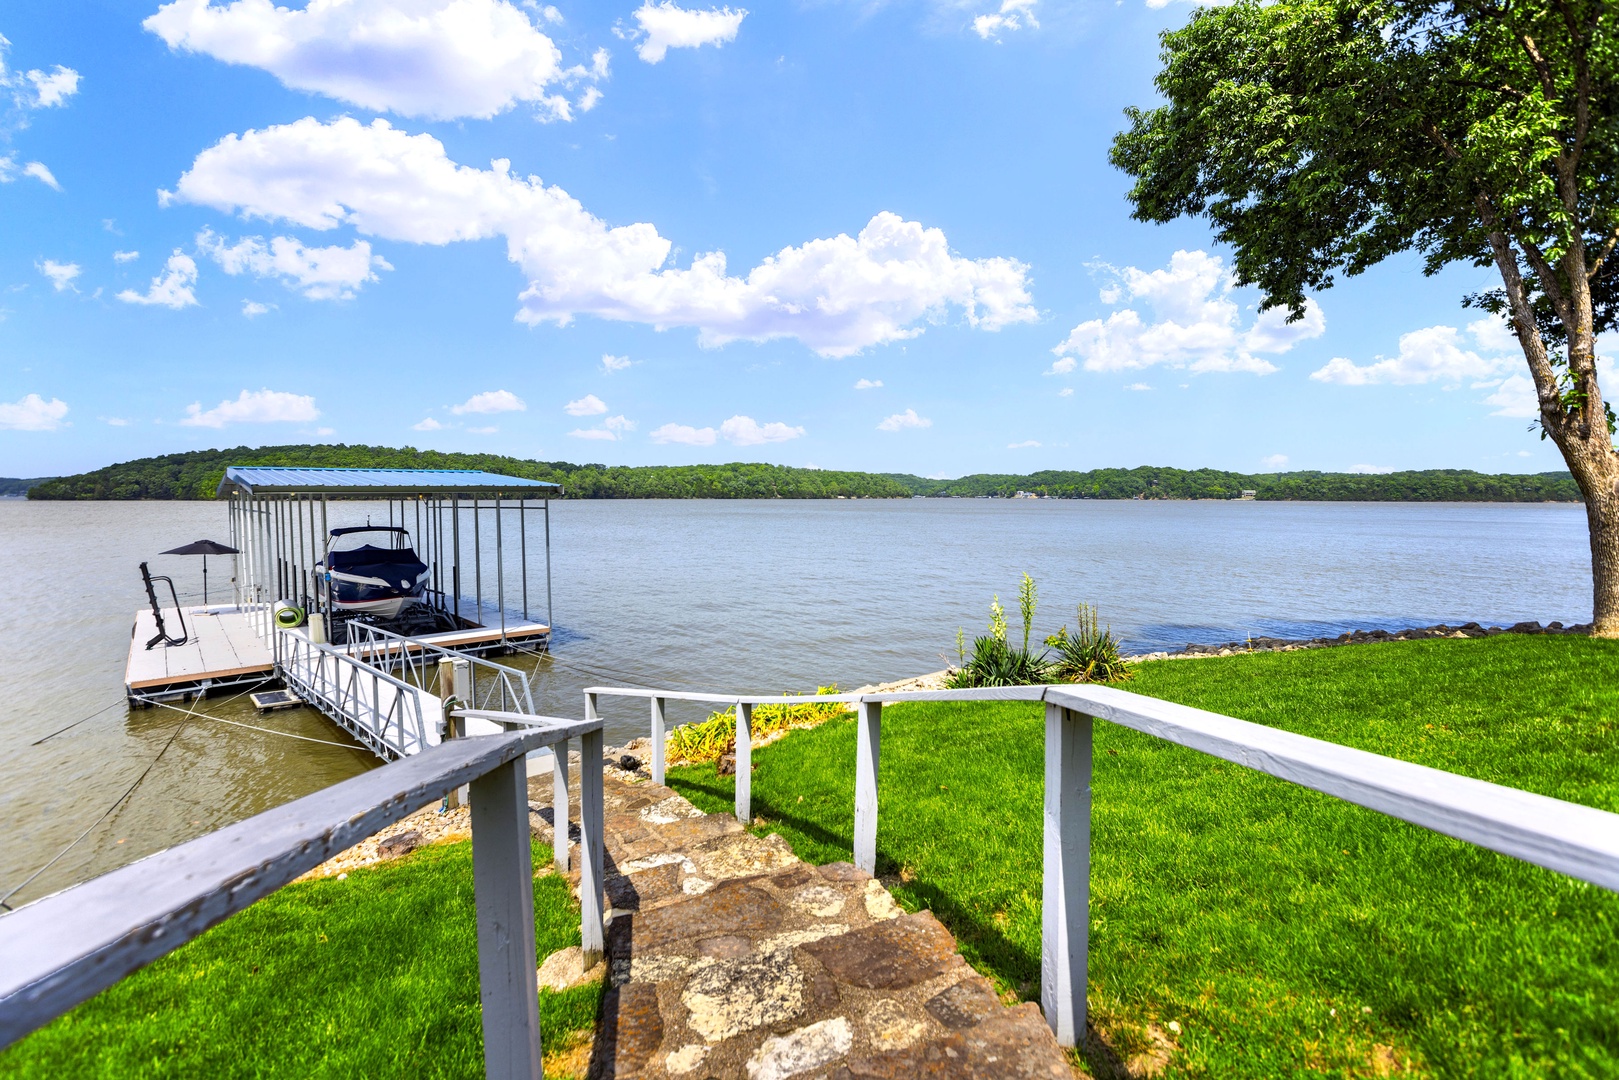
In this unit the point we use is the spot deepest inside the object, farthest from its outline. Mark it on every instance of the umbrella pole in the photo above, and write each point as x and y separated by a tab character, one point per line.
205	581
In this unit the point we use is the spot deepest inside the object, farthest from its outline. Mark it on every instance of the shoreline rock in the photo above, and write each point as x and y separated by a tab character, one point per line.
1358	637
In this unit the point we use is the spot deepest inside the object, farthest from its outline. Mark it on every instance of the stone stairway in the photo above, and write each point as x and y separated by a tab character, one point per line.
730	957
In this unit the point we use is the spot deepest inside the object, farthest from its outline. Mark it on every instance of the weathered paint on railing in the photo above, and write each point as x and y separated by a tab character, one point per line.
1579	841
68	947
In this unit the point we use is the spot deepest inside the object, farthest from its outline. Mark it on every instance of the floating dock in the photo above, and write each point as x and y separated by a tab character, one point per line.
222	649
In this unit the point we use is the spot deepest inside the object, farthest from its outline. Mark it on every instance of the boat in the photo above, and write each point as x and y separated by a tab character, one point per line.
368	578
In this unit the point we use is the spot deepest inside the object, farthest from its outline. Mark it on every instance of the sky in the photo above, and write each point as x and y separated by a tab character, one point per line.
879	236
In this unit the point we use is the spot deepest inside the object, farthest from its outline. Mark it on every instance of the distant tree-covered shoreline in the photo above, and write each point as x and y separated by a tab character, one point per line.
196	474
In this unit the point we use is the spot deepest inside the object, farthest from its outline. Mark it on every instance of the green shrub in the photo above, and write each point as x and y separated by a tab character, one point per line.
715	737
995	662
1089	654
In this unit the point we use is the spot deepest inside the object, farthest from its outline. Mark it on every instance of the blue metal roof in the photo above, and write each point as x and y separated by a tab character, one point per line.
278	479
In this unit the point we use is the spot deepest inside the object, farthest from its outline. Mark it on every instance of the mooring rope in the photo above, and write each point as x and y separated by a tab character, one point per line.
76	723
254	727
181	726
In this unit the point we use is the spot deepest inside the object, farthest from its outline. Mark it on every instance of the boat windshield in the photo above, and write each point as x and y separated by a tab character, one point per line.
376	537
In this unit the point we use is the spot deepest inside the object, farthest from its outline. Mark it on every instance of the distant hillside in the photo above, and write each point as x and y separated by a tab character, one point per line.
1427	485
12	487
195	475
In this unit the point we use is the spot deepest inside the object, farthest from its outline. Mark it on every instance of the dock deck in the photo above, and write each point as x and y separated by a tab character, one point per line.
221	649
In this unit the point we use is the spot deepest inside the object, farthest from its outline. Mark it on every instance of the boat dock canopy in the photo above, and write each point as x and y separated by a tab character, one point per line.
280	479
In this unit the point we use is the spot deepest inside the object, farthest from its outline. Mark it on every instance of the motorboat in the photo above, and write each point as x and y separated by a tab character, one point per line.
373	570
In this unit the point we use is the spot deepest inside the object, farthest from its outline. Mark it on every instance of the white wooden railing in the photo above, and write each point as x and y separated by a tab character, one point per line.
1576	840
68	947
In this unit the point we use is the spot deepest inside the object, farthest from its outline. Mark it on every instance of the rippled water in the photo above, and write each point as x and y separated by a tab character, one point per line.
772	595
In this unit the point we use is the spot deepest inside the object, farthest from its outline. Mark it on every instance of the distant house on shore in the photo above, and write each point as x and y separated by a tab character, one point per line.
1248	496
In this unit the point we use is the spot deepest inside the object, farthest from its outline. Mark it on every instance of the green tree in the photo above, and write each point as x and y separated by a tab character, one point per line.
1320	137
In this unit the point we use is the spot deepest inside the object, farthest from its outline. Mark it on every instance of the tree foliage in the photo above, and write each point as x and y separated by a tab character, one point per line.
195	475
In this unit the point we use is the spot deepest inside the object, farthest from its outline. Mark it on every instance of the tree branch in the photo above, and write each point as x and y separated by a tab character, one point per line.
1607	249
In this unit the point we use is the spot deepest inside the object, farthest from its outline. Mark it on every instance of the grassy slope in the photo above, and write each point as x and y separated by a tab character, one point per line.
1287	933
374	976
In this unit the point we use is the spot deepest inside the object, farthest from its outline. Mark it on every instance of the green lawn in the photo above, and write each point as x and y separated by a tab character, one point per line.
373	976
1285	933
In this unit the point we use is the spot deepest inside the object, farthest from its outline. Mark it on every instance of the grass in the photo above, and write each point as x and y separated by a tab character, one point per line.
374	976
1283	932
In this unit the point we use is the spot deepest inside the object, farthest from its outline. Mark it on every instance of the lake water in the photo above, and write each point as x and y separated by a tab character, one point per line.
760	596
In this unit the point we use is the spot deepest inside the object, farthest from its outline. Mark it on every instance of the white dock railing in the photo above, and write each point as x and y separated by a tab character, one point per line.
66	948
382	711
1576	840
493	686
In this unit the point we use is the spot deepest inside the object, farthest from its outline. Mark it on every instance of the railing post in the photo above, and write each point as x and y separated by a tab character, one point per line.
591	937
744	762
1065	906
658	737
559	805
503	888
868	748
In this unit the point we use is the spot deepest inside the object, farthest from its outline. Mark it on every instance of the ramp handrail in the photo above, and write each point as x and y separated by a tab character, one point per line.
349	691
390	651
66	948
1580	841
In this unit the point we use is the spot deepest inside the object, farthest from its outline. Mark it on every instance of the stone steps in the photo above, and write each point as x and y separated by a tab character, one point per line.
730	957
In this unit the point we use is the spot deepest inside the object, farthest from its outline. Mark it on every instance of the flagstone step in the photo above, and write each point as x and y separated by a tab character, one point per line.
727	956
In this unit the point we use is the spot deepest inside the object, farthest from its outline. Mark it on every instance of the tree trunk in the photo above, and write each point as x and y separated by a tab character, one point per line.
1596	469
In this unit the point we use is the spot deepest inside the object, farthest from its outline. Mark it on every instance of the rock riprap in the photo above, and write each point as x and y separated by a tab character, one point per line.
728	957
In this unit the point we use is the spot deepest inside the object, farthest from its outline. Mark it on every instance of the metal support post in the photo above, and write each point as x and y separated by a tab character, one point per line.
744	762
500	570
503	888
1065	904
550	620
658	737
868	749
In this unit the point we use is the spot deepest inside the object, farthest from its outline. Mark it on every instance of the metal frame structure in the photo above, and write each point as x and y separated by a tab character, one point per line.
280	518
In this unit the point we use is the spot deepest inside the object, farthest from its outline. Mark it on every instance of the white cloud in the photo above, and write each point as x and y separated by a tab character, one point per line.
253	309
54	87
1274	461
1432	354
1067	391
665	26
906	419
746	431
1375	470
125	256
611	363
1195	324
60	274
1515	397
838	295
686	436
170	289
254	407
1137	386
32	412
612	429
114	421
1012	15
490	430
589	405
39	172
328	273
491	401
1025	444
438	59
868	384
427	424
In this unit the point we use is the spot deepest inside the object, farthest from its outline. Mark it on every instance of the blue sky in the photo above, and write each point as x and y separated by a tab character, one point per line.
876	236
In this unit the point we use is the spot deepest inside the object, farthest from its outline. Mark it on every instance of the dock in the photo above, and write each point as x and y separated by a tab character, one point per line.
222	649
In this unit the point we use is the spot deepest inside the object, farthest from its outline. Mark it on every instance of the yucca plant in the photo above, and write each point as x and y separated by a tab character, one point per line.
1089	654
715	737
994	661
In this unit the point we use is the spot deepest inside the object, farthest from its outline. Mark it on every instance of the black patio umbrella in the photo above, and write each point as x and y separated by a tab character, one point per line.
204	548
